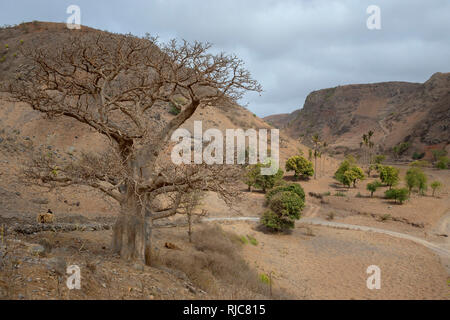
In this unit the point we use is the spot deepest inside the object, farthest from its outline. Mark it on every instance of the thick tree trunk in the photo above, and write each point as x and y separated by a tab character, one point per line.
132	231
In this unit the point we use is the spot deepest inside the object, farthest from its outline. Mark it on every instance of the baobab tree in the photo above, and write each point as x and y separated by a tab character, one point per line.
119	85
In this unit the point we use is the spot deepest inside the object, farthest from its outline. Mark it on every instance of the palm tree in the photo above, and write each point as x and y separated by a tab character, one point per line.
316	140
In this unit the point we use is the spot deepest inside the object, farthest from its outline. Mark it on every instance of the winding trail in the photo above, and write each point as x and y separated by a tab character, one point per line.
438	248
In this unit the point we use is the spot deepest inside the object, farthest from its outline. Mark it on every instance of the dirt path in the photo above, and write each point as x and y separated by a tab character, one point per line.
442	250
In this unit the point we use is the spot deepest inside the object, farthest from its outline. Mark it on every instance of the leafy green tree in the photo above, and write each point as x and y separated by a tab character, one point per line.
284	208
300	166
435	185
358	174
349	173
399	195
443	163
373	186
266	182
389	175
291	187
415	177
251	174
287	203
276	222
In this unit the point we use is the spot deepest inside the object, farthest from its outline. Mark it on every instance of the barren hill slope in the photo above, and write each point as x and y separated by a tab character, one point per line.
396	111
22	127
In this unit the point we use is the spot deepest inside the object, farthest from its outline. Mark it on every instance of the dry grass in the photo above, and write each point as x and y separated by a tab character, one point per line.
214	264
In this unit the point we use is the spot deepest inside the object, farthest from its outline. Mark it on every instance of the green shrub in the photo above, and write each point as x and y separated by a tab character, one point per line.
339	194
292	187
287	203
348	173
266	182
373	186
276	222
415	177
379	158
399	195
174	110
328	193
443	163
264	278
435	185
438	154
418	156
254	178
243	239
300	166
389	175
419	163
252	240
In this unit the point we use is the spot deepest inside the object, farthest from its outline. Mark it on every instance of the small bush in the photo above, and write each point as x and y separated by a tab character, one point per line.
174	110
339	194
399	195
328	193
359	195
252	240
300	166
291	187
443	163
373	186
435	185
287	203
385	217
264	278
418	156
330	216
243	239
274	222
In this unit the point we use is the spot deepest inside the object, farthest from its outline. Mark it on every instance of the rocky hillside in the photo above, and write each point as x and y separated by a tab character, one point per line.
22	129
396	111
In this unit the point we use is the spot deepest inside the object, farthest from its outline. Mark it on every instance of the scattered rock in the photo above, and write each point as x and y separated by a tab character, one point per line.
36	249
57	265
170	245
40	200
138	266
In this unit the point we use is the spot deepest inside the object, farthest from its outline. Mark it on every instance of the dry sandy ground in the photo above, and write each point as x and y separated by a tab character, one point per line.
331	264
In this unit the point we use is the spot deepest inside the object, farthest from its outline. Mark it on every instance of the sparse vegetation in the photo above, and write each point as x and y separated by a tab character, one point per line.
417	156
400	149
436	186
443	163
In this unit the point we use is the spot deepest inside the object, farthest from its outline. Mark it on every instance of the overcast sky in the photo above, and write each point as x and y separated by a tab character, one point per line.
292	47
